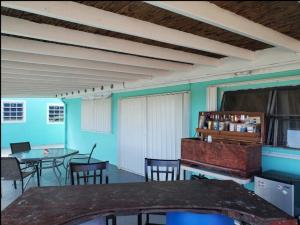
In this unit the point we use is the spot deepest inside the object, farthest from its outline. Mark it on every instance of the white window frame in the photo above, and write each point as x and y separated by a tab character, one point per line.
13	101
47	118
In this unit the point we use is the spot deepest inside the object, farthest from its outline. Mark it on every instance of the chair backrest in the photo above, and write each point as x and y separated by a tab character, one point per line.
10	169
158	167
91	153
88	170
20	147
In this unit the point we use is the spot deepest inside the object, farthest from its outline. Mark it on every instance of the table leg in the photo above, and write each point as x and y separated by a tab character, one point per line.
37	174
55	165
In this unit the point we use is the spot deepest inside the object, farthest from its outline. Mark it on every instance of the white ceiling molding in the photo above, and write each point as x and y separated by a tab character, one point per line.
70	70
90	16
25	28
210	13
51	49
14	56
261	81
268	61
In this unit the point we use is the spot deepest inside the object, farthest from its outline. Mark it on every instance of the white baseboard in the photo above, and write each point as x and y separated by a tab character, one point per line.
281	155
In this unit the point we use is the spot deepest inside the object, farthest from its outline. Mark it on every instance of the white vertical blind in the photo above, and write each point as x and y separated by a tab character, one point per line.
87	114
96	115
102	115
211	98
153	129
132	139
164	120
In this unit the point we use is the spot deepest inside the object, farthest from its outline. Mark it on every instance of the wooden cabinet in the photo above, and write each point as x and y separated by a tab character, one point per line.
241	160
231	153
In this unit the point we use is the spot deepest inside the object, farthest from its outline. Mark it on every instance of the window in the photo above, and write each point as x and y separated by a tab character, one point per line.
96	115
55	113
13	111
281	106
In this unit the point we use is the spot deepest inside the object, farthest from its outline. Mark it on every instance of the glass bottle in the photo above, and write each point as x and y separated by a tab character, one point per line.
222	123
216	122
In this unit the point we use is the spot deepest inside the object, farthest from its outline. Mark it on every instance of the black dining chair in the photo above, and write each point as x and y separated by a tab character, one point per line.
81	158
84	171
11	170
20	147
159	170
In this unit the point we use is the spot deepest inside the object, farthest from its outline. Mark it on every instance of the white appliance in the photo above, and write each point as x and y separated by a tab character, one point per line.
280	189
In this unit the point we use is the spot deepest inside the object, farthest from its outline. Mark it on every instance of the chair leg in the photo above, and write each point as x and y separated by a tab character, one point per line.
140	219
41	165
22	185
67	174
37	175
147	218
114	220
15	184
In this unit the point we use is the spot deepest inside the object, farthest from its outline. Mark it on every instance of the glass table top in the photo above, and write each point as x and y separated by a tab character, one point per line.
41	154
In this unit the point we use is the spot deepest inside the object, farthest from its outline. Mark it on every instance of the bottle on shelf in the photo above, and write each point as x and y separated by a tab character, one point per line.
202	121
216	122
238	123
210	122
232	124
222	123
227	122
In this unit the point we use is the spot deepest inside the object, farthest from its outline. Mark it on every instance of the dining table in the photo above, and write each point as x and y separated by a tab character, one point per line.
54	156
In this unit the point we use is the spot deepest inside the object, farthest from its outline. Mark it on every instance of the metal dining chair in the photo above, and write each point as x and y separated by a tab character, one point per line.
19	147
159	170
11	170
90	170
81	158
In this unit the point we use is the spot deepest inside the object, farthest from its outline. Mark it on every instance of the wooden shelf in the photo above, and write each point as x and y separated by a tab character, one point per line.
257	137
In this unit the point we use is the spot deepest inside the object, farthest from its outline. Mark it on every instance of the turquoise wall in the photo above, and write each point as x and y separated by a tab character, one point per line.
35	129
107	148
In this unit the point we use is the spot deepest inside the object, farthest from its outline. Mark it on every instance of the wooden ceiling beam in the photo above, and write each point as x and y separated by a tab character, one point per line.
212	14
55	75
69	70
62	79
90	16
52	49
25	28
15	56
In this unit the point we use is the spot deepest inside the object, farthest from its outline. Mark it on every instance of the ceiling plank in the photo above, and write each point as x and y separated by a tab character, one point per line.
51	49
55	75
210	13
25	28
62	69
90	16
15	56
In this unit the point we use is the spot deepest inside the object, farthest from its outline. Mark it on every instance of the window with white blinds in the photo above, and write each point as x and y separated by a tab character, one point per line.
96	115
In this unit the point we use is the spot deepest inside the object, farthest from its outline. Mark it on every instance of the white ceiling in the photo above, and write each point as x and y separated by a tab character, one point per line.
74	66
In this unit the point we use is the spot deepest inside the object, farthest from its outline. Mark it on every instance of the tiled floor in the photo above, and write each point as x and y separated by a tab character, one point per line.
9	194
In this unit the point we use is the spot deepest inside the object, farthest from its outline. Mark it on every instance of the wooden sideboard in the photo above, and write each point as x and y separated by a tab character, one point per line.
232	153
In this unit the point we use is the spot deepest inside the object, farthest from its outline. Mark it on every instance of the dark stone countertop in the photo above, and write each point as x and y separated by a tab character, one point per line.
74	204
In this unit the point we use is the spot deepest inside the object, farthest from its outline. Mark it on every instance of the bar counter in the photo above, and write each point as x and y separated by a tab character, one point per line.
75	204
